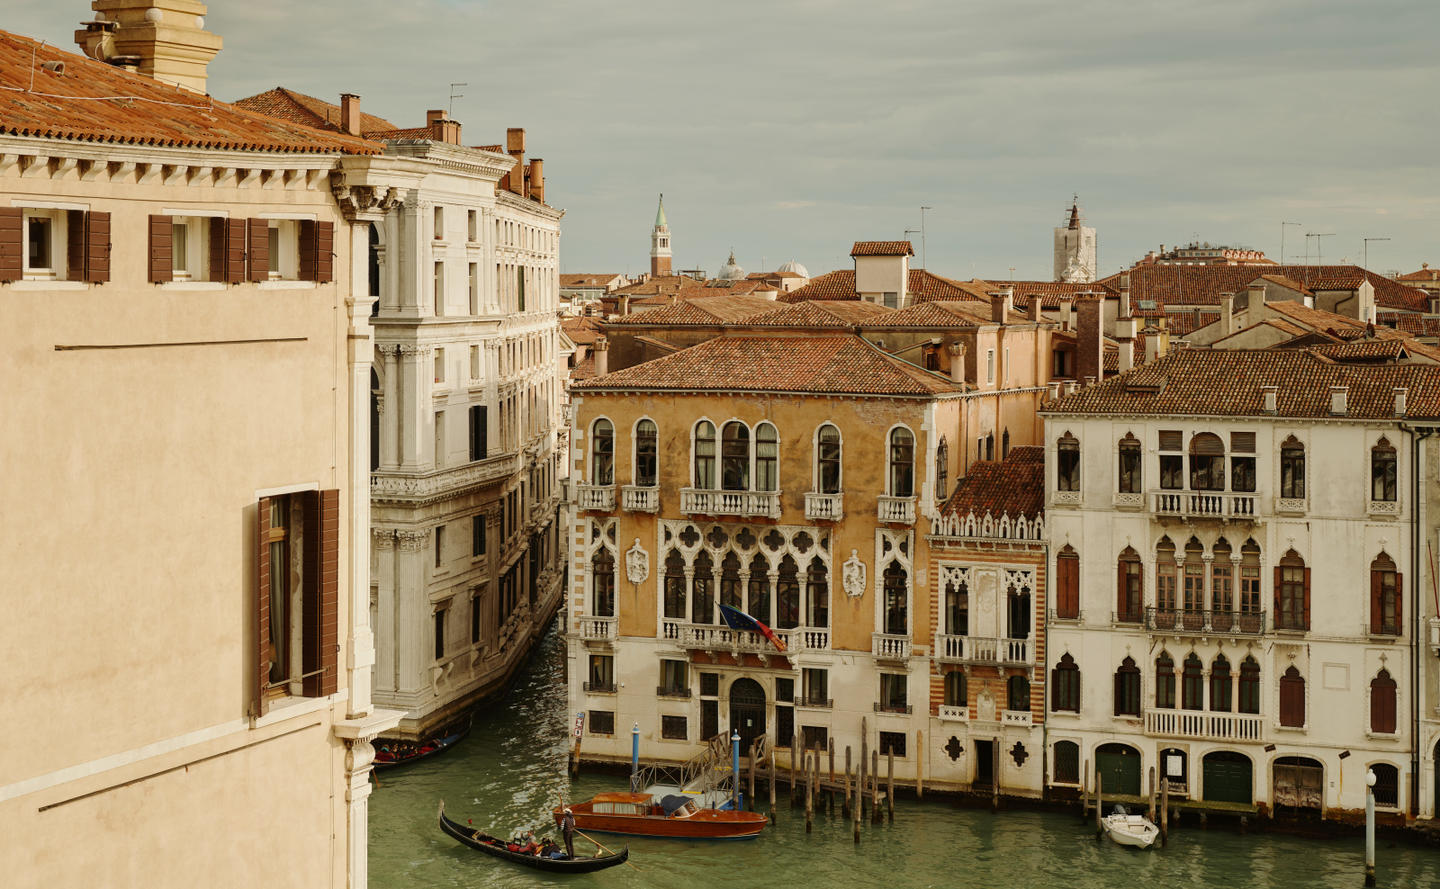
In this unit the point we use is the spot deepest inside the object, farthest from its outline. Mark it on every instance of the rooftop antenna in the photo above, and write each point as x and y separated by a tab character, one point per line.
1282	238
923	264
454	95
1366	261
1319	255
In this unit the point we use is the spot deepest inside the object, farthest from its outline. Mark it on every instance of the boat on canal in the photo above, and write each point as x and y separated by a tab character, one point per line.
498	848
656	813
1130	830
398	753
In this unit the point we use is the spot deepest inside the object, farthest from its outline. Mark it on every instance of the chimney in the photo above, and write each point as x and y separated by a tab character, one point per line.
442	128
350	113
1227	314
515	147
1089	341
602	356
163	39
1125	295
956	351
1257	295
1269	399
537	180
1053	389
1035	307
1000	306
1067	306
1338	398
1071	387
1127	353
1400	393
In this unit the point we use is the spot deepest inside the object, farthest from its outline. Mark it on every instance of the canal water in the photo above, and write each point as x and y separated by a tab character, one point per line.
512	769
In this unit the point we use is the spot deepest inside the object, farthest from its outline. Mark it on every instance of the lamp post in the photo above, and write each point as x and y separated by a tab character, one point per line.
1369	827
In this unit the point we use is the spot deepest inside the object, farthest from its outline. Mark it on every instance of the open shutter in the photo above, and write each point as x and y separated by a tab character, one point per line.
307	250
1276	619
12	243
162	266
1306	611
97	247
259	254
1120	609
329	591
324	252
1377	602
235	251
75	245
218	247
262	608
1399	611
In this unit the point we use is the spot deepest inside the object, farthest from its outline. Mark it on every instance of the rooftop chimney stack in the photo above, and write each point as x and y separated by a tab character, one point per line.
1227	314
1089	340
602	356
1067	306
537	179
1125	311
442	128
1000	307
163	39
515	147
957	362
350	113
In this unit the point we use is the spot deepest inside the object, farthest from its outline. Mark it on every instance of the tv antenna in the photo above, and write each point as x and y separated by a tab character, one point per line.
454	95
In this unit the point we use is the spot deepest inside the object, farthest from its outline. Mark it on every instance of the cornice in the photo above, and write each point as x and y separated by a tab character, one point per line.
167	156
420	489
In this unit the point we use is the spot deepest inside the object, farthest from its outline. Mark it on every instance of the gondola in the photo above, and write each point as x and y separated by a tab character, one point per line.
496	847
400	753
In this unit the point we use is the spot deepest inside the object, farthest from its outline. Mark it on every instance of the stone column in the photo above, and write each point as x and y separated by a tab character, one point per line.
412	657
391	420
361	644
359	756
412	418
382	544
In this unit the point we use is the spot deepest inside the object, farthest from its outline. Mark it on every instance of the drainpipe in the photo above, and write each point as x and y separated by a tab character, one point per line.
1417	435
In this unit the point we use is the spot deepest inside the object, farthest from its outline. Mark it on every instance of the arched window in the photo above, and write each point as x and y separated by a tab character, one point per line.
374	268
1292	698
1193	590
942	470
1004	444
1067	584
1017	694
1127	688
1067	762
1065	685
1250	598
1166	572
1382	703
1164	682
702	589
1382	471
1249	686
1017	602
1192	684
602	453
758	590
674	586
1130	588
1220	684
1292	469
1385	614
735	457
957	606
767	458
897	612
827	460
1129	480
817	594
955	691
1292	593
647	451
787	595
989	446
1387	785
1207	462
602	573
902	463
705	455
1222	586
730	591
1067	463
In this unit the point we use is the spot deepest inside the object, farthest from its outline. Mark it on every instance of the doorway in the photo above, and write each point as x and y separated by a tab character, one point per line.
984	764
747	711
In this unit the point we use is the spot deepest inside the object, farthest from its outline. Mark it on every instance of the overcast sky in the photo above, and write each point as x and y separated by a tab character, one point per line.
788	129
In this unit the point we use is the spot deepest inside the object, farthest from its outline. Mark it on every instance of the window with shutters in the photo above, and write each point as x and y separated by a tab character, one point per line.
1166	581
1383	472
1383	693
1220	685
1292	469
1292	699
1165	681
282	253
1067	763
1250	597
1127	688
647	454
1222	584
827	460
1385	613
1128	481
1292	593
602	453
602	722
675	728
1067	463
1065	685
1067	584
1130	588
1207	462
1172	463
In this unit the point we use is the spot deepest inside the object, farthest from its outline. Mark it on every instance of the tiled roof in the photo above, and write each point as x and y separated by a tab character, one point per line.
1419	325
1226	383
685	287
585	279
1181	285
1288	284
1049	292
584	370
825	313
96	102
704	311
831	364
308	111
1180	321
1014	486
922	286
1424	273
882	248
938	313
581	331
1362	350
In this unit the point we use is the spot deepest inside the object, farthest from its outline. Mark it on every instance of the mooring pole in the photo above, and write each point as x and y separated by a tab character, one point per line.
1099	804
734	768
919	764
635	758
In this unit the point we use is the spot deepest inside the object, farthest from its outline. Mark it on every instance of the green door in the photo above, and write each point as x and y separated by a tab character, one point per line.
1119	769
1228	778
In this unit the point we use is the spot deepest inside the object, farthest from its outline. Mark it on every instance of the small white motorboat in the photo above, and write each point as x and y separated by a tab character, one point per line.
1130	830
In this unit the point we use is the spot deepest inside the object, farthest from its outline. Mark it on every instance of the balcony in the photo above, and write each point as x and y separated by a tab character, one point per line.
954	714
1201	725
1204	504
600	688
695	501
889	647
824	507
664	691
898	709
809	639
982	650
595	629
1204	623
1383	508
815	702
1016	717
596	497
719	637
896	510
635	498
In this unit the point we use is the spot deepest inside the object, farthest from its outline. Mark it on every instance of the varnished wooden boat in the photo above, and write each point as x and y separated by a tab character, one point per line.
641	814
483	842
399	753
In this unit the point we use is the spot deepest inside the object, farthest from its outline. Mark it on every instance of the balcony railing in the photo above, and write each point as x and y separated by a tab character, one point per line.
596	628
824	507
809	639
665	691
1383	507
815	703
982	650
1203	725
697	501
1205	623
906	709
897	510
1016	717
890	647
1203	504
635	498
600	688
719	637
601	497
954	714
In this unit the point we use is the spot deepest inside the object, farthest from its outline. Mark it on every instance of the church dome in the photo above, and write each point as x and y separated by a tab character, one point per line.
731	271
793	267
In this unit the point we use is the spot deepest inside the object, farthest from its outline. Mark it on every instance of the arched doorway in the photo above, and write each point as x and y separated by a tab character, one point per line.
747	710
1119	766
374	420
1299	785
1229	777
1174	767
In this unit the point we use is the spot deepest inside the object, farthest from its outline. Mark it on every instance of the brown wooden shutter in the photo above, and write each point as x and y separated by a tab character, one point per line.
1382	705
1306	610
97	247
329	591
218	245
1399	612
1275	618
75	245
162	263
1120	608
12	243
324	252
1292	700
262	608
235	251
1377	601
1069	583
259	253
307	250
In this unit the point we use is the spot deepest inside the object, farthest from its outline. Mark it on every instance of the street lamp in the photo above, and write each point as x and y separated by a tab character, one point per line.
1369	827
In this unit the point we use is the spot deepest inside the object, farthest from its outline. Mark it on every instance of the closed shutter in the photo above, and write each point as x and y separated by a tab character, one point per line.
1397	614
310	616
1305	616
1170	439
161	258
1207	444
235	251
1120	608
1382	706
1377	602
329	590
262	609
1068	581
1292	699
1276	618
12	243
75	245
1242	442
307	250
218	246
97	247
258	231
324	252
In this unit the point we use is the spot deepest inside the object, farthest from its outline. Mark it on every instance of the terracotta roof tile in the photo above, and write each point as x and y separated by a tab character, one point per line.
824	313
1424	273
1049	292
137	110
585	279
838	364
581	331
922	286
882	248
1203	284
1014	486
1419	325
705	311
307	111
937	313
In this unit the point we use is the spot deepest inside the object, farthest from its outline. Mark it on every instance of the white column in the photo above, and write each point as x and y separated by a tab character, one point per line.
393	417
361	644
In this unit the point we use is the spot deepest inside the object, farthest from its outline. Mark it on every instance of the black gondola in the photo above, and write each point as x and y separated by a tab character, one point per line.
493	846
400	753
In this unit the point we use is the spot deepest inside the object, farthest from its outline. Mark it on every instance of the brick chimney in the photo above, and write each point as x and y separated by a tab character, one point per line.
350	113
515	147
1000	306
442	128
1089	340
537	180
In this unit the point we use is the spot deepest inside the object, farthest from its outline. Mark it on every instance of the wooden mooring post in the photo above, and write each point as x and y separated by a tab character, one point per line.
1150	807
845	807
860	772
1085	791
754	755
890	786
771	776
1164	811
795	751
876	816
809	790
855	806
1099	805
830	794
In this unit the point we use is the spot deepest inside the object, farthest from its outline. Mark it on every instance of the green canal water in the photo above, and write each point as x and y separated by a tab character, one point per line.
511	769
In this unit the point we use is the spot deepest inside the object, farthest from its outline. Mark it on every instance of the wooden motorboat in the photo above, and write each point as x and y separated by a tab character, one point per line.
675	816
398	753
499	848
1130	830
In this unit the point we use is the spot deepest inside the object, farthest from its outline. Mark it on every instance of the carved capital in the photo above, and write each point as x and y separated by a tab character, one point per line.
365	203
382	538
411	541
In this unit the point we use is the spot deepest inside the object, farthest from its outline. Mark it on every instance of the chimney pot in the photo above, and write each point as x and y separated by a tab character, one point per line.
1000	307
433	116
602	356
957	362
537	179
1339	397
350	113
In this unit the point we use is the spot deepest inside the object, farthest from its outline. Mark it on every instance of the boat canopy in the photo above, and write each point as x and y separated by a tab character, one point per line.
673	803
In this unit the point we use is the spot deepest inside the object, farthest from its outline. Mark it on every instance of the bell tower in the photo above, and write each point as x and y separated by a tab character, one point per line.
660	244
1075	259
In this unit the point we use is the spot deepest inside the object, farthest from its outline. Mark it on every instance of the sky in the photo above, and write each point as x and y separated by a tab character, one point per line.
789	129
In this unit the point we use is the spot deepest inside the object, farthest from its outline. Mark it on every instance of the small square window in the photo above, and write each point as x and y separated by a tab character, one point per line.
892	742
602	722
709	685
38	243
675	728
814	737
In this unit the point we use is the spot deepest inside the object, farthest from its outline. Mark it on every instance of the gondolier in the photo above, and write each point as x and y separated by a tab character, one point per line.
567	828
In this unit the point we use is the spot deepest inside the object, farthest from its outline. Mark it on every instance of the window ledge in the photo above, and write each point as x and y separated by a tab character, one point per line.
1126	719
1066	714
48	284
285	284
1384	638
1292	729
291	706
1382	736
193	285
1292	632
